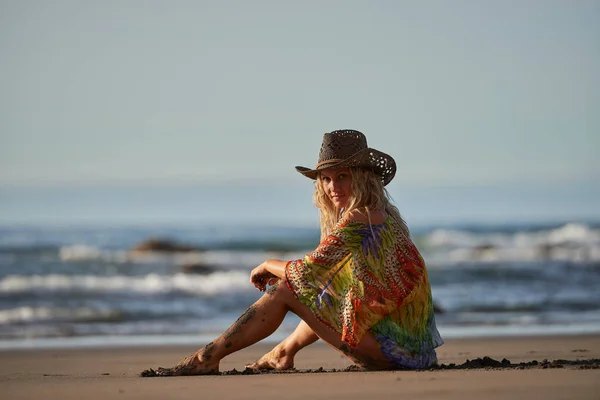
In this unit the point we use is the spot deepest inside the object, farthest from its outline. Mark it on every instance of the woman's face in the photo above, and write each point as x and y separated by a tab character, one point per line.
337	184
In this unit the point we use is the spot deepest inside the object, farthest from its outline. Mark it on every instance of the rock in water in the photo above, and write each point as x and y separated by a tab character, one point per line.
163	245
197	268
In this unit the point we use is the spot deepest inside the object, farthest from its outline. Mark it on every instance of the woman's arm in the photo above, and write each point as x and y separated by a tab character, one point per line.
276	267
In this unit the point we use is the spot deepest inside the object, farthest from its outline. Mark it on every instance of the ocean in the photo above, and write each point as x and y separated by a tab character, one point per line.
81	285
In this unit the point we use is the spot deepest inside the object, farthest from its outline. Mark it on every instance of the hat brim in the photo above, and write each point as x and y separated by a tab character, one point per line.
381	163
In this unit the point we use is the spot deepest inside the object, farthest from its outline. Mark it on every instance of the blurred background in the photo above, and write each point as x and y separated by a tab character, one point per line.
147	152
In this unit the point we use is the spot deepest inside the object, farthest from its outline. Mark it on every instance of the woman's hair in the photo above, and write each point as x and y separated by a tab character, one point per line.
368	193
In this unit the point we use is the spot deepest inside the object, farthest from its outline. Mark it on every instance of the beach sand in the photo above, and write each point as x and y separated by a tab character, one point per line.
114	373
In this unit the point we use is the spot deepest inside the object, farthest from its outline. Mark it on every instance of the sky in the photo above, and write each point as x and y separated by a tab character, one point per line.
171	94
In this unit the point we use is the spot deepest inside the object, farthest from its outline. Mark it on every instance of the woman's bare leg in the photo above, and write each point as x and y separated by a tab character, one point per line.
261	320
281	357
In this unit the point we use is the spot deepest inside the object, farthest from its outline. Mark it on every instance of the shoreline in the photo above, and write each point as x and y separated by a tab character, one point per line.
99	373
120	341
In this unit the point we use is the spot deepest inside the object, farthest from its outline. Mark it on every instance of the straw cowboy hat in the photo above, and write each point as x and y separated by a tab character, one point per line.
348	148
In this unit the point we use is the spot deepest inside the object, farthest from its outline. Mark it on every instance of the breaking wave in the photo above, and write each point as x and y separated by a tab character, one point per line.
208	285
571	242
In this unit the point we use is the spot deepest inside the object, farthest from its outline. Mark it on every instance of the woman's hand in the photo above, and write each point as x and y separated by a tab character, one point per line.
260	277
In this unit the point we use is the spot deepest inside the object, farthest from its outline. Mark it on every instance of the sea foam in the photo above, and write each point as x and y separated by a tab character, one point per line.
198	285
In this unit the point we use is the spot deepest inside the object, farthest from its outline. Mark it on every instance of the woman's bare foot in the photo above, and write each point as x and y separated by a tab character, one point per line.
195	364
277	359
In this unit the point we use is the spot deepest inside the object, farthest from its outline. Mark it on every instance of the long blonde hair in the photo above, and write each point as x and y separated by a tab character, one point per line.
368	194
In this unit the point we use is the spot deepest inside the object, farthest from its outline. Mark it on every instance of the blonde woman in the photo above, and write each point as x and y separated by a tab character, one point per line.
364	290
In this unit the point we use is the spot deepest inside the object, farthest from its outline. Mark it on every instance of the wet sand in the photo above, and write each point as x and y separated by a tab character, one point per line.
114	373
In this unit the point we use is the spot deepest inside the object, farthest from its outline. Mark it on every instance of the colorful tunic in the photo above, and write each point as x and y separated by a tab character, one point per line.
371	278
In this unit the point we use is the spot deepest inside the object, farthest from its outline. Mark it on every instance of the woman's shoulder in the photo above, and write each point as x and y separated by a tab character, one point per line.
374	217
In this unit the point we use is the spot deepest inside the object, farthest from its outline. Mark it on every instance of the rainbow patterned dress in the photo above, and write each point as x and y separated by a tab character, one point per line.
365	277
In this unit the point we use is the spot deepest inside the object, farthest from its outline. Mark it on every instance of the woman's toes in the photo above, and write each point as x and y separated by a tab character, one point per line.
260	364
269	362
165	371
147	373
256	366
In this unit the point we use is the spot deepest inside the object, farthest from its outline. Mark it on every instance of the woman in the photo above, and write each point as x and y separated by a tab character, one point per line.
364	290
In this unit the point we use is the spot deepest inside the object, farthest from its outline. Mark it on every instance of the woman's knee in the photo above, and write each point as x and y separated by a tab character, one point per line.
280	289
